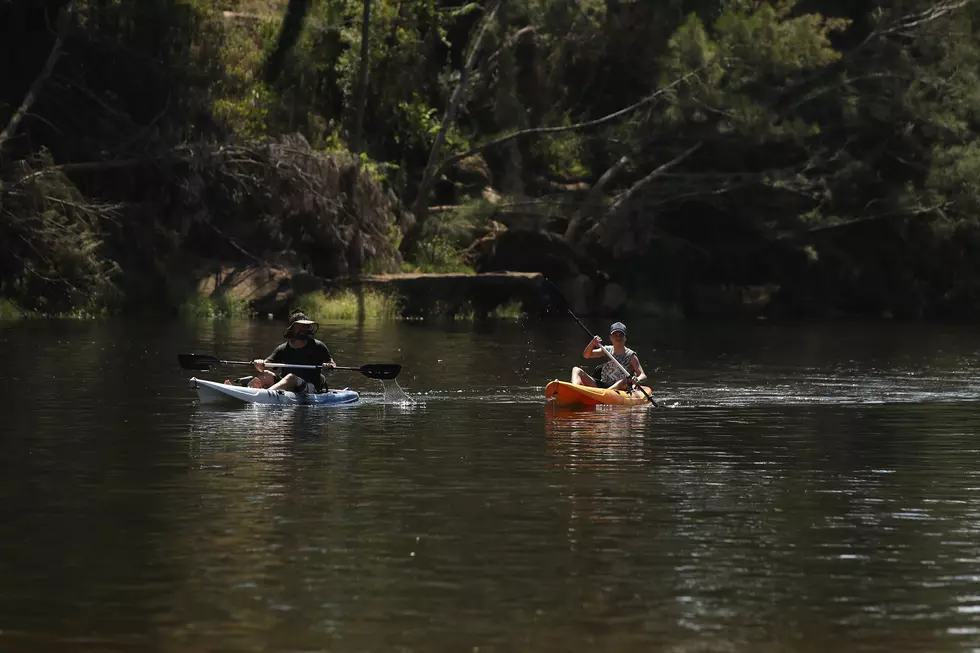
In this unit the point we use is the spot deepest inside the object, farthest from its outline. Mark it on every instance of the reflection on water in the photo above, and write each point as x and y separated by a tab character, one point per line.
815	489
586	436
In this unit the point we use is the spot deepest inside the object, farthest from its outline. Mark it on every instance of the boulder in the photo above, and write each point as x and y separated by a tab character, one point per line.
730	300
472	174
612	300
430	294
266	288
247	282
521	250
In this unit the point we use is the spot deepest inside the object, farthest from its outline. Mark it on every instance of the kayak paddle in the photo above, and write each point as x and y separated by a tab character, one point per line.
561	298
380	371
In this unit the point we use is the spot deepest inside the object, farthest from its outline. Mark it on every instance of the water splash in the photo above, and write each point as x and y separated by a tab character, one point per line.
393	394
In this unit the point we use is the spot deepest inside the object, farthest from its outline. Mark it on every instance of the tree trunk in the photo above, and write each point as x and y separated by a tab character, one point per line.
507	108
292	27
362	79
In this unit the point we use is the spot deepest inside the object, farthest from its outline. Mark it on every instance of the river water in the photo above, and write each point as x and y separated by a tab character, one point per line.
809	488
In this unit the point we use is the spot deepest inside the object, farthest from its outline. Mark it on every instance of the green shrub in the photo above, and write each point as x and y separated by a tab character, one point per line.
439	254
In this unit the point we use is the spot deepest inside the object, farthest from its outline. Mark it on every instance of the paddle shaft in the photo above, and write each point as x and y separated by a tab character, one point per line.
379	371
314	367
612	358
278	365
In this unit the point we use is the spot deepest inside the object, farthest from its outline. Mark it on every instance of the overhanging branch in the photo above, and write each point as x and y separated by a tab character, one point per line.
32	94
565	128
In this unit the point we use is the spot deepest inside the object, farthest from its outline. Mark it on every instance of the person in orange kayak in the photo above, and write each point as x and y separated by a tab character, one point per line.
300	348
609	375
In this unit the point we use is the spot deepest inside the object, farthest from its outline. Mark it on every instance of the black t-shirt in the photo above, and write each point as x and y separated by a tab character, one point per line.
313	352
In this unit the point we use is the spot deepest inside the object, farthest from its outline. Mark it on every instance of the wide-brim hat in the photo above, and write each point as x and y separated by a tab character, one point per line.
299	318
617	326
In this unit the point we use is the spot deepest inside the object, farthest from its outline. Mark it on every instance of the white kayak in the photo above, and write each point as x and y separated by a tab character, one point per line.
210	391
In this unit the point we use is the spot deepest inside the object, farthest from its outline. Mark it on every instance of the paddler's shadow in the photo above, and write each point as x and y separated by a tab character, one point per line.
582	432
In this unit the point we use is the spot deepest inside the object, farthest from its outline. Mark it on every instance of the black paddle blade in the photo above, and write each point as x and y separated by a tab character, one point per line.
381	371
201	362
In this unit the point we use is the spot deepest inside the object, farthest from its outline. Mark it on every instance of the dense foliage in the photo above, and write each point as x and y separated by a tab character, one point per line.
695	150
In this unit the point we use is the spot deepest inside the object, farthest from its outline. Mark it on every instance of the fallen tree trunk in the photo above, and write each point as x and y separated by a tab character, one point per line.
592	200
625	198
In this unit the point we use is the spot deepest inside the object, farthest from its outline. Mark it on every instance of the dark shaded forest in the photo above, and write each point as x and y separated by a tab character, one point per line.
726	157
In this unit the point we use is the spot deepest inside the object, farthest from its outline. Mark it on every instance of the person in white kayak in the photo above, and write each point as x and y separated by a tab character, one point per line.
609	375
300	348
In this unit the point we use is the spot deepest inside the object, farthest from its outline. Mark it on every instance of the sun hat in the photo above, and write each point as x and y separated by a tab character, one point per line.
298	317
617	326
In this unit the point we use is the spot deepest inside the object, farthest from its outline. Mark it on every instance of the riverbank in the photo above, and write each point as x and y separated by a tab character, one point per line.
270	290
698	174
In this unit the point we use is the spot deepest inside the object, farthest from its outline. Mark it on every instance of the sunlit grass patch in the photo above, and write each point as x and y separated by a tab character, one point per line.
465	312
10	311
350	305
512	310
224	307
376	305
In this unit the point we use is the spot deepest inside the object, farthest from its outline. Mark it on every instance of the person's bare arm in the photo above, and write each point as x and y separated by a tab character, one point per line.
594	349
639	375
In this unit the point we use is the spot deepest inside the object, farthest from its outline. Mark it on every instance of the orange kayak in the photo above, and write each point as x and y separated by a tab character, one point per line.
563	393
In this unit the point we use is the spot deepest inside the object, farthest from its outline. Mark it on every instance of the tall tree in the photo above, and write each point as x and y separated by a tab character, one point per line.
289	32
507	107
363	67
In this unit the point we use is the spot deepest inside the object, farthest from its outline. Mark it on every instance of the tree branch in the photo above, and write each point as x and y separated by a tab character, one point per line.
624	198
557	130
940	9
914	212
512	40
63	23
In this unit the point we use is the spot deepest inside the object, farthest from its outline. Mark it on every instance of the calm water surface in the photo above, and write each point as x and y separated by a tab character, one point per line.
811	488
